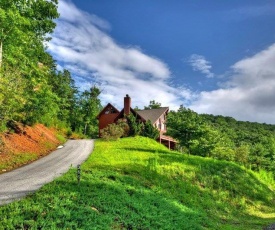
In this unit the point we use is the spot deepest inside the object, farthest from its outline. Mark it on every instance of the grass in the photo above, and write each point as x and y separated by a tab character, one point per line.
60	138
14	160
136	183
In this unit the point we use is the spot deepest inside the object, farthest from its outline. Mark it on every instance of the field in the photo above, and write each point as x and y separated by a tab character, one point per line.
136	183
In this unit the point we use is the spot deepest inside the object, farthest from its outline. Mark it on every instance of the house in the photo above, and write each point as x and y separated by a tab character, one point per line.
110	115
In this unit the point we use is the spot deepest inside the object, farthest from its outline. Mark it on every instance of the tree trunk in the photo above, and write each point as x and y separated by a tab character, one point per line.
1	50
85	128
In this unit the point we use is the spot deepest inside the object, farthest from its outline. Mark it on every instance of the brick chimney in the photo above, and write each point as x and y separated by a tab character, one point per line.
127	105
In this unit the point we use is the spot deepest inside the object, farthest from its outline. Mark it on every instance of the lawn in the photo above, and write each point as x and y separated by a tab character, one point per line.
136	183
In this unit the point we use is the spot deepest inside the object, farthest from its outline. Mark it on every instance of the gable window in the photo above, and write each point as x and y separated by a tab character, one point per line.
109	110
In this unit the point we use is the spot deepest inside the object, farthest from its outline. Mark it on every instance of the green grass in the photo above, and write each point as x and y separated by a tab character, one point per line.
16	160
136	183
60	138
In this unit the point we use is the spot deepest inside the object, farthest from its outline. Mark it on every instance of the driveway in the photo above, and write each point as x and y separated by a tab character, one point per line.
27	179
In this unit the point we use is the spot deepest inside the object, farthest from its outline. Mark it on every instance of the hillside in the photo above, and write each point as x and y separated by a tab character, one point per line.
24	144
136	183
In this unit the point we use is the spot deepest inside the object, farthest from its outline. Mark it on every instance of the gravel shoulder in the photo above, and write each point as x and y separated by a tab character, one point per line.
271	227
27	179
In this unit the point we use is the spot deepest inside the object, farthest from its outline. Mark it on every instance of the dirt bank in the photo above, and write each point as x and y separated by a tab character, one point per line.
25	144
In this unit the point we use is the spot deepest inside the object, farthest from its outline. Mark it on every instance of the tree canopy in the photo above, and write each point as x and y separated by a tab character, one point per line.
247	143
153	105
32	90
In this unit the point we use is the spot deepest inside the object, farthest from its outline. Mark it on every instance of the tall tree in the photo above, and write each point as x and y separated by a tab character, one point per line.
24	27
12	87
63	86
135	127
153	105
184	125
89	106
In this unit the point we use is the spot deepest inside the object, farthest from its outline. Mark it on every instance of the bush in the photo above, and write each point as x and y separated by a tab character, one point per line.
123	124
135	127
112	132
150	131
223	153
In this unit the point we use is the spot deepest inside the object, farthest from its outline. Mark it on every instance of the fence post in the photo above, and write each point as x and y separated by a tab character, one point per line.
78	174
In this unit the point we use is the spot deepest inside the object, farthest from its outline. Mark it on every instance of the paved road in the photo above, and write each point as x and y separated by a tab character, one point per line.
22	181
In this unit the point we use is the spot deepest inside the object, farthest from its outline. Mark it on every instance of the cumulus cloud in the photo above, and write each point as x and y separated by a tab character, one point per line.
81	44
250	93
199	63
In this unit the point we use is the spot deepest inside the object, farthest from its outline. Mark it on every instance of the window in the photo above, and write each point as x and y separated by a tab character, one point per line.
109	110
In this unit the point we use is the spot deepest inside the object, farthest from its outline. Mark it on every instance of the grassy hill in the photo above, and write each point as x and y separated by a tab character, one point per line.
136	183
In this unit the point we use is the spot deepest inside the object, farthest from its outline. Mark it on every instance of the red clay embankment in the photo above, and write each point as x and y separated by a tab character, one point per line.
25	145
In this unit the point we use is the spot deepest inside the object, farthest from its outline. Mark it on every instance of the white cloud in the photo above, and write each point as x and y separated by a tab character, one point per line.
249	95
81	44
70	13
199	63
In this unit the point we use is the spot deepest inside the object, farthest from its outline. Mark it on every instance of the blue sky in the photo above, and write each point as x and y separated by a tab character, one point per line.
214	57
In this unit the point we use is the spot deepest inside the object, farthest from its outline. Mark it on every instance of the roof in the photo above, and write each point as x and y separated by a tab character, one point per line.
152	114
109	107
134	112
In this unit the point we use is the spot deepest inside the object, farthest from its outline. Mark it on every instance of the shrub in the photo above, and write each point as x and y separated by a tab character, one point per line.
123	124
135	127
149	130
223	153
112	132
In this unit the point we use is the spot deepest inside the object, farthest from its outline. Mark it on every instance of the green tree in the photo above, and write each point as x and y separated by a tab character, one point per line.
24	27
185	125
41	107
149	130
242	154
12	87
89	106
153	105
63	86
257	158
135	127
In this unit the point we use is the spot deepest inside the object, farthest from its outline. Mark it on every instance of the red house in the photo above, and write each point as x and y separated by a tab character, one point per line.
157	117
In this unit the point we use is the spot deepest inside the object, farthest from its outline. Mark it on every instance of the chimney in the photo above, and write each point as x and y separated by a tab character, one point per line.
127	105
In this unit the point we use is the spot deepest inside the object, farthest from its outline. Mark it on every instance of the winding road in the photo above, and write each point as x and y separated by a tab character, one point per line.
27	179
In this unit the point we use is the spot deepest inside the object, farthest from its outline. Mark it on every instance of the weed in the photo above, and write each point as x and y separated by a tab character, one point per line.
136	183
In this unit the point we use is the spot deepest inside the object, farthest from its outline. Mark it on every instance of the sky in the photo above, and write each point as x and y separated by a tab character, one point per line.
214	57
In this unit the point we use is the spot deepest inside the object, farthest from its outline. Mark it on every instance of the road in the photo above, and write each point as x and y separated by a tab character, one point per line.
27	179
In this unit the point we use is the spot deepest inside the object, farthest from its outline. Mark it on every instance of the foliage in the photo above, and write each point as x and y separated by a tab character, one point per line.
129	126
187	126
136	183
253	143
224	138
24	27
41	106
11	102
64	87
241	154
135	127
124	125
112	132
153	105
87	108
43	93
115	131
149	130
